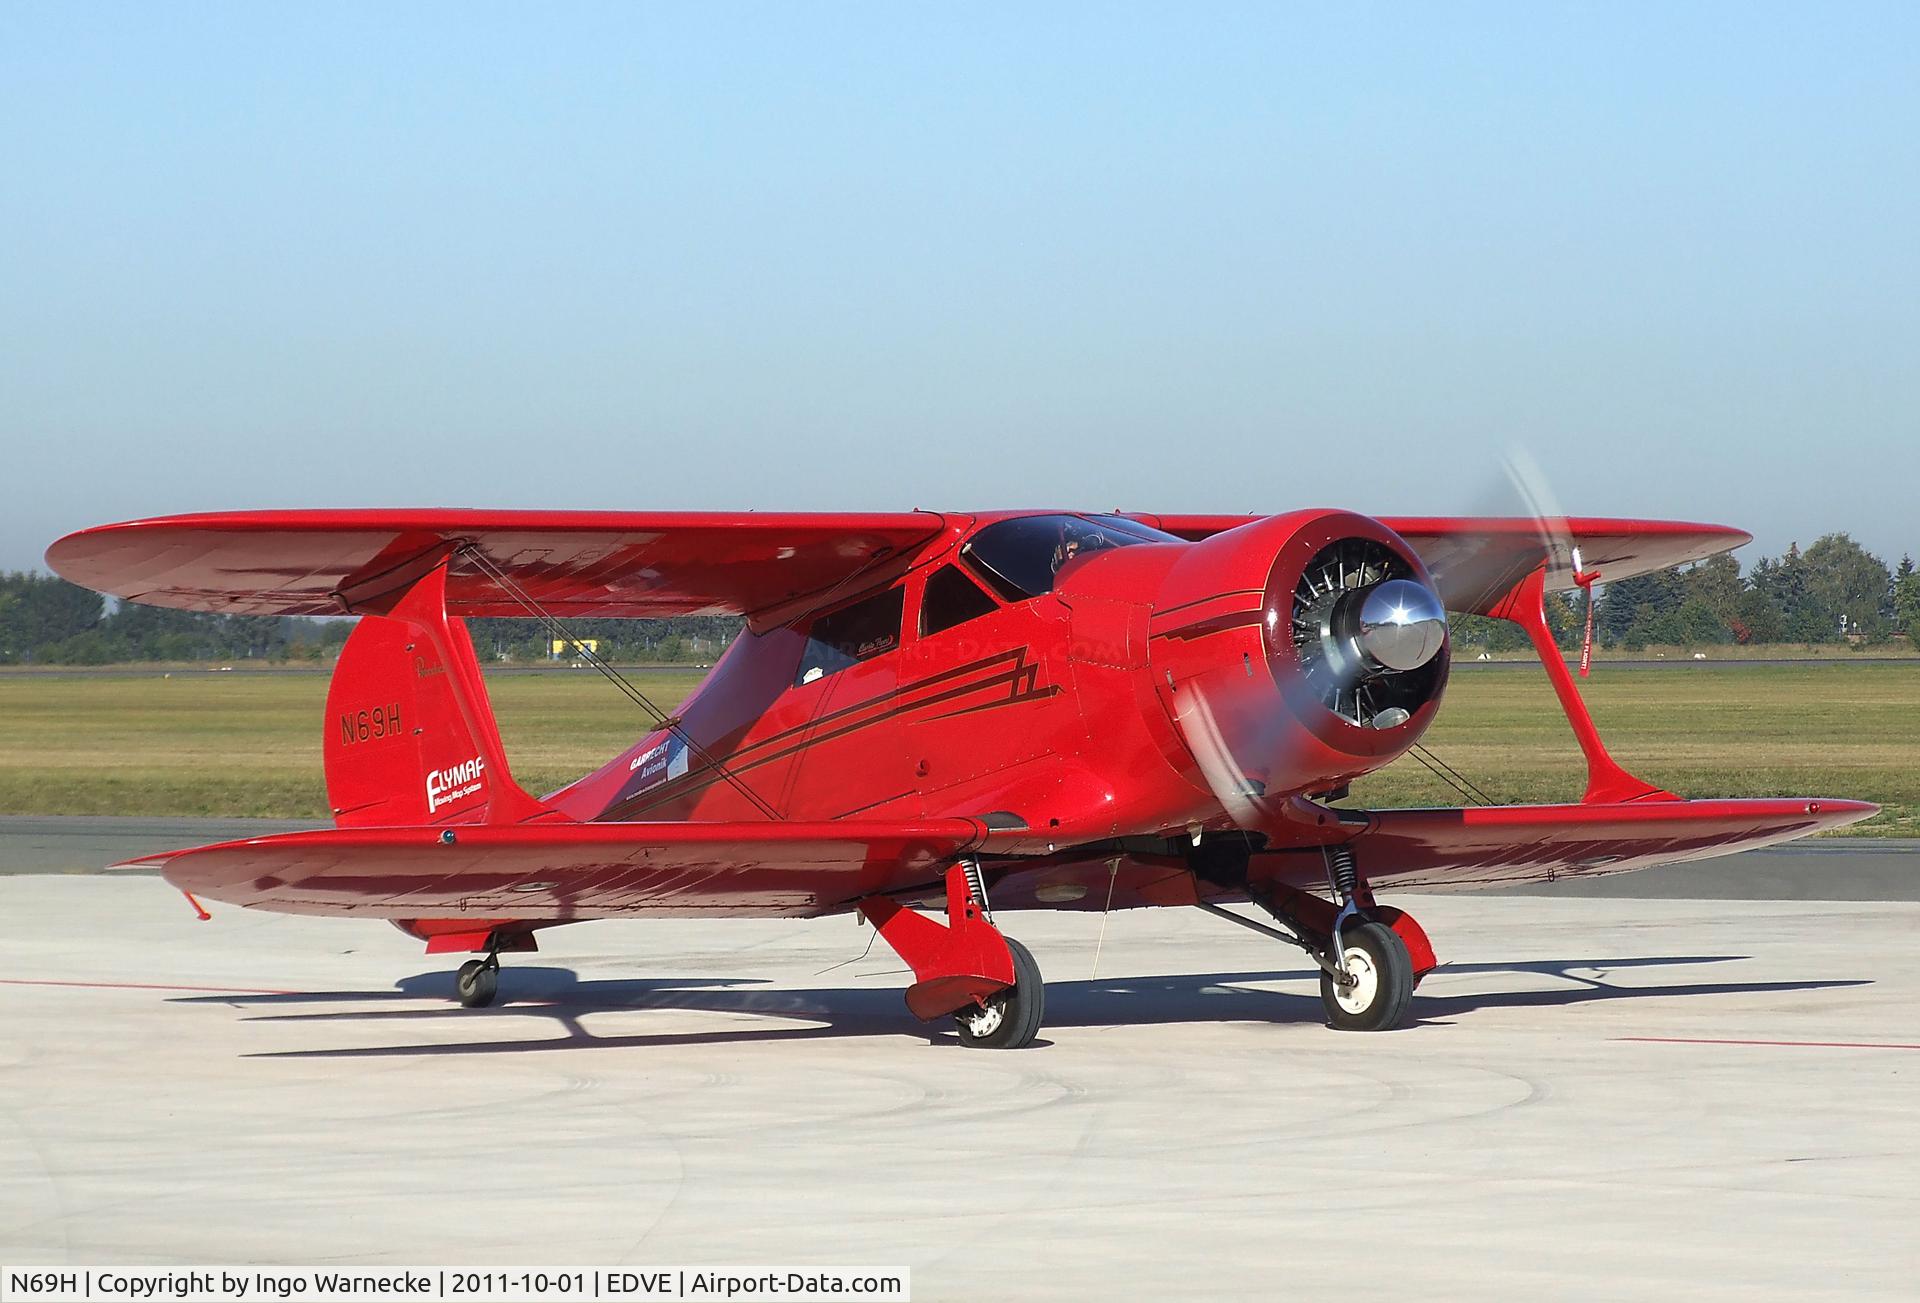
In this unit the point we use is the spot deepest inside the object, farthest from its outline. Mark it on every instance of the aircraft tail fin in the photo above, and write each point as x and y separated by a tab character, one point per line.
410	735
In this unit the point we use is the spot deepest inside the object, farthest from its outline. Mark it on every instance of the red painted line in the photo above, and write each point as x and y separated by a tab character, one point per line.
148	986
1813	1045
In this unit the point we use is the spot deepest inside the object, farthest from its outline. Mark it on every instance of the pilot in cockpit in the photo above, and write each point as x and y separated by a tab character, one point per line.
1075	539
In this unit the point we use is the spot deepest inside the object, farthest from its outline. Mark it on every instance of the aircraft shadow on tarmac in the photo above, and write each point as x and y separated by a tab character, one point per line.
813	1013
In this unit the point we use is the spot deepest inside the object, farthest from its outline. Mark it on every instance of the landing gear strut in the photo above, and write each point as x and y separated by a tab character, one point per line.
968	969
1369	982
1370	956
478	981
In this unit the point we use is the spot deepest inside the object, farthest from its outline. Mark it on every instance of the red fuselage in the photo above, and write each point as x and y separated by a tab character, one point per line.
1088	676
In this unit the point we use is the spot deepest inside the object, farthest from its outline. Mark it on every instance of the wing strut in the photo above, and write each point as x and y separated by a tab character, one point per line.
660	717
1607	782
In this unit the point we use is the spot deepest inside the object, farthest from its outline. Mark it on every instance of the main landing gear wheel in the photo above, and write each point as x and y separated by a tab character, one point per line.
478	982
1376	958
1010	1019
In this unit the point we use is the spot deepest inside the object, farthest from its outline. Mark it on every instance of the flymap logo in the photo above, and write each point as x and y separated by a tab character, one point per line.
445	786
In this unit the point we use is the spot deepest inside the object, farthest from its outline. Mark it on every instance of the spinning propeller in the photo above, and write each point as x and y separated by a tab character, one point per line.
1347	661
1355	636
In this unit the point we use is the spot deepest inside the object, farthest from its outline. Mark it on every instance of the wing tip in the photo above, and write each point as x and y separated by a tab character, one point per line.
156	863
1839	812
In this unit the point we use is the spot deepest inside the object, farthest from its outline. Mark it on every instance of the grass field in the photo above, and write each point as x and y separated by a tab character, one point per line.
250	745
1699	730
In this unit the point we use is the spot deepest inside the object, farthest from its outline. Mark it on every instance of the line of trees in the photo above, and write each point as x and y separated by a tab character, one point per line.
1835	591
681	639
47	621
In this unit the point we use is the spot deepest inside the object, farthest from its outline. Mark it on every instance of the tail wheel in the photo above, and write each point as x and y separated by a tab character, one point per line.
1376	958
1010	1019
477	983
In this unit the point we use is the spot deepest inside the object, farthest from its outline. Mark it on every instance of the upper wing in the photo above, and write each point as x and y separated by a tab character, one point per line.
563	871
579	563
1476	560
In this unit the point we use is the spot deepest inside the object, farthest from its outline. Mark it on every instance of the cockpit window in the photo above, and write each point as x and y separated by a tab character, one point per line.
852	634
1025	554
951	598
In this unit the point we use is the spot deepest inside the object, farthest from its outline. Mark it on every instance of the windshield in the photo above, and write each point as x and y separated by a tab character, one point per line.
1025	554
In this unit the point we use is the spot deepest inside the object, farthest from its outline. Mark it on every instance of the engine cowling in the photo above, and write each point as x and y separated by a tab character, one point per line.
1298	652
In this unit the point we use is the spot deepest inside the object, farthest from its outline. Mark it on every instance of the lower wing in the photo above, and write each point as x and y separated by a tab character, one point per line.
1450	848
1500	845
555	872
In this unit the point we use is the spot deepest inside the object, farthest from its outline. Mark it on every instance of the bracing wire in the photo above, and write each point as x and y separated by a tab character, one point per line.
1447	774
1113	880
660	717
872	932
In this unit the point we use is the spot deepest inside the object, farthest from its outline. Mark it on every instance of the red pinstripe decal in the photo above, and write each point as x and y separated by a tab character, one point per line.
1019	677
1214	624
1810	1045
148	986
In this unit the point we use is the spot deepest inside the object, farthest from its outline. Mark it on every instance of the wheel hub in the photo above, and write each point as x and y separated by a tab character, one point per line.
1358	997
986	1020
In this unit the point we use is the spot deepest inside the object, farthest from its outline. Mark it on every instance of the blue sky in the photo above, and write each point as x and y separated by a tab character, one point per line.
787	256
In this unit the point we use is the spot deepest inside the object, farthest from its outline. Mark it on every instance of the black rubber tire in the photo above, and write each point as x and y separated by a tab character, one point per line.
1390	980
477	983
1021	1006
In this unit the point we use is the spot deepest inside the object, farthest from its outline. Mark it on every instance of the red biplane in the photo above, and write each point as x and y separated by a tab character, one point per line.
1034	709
